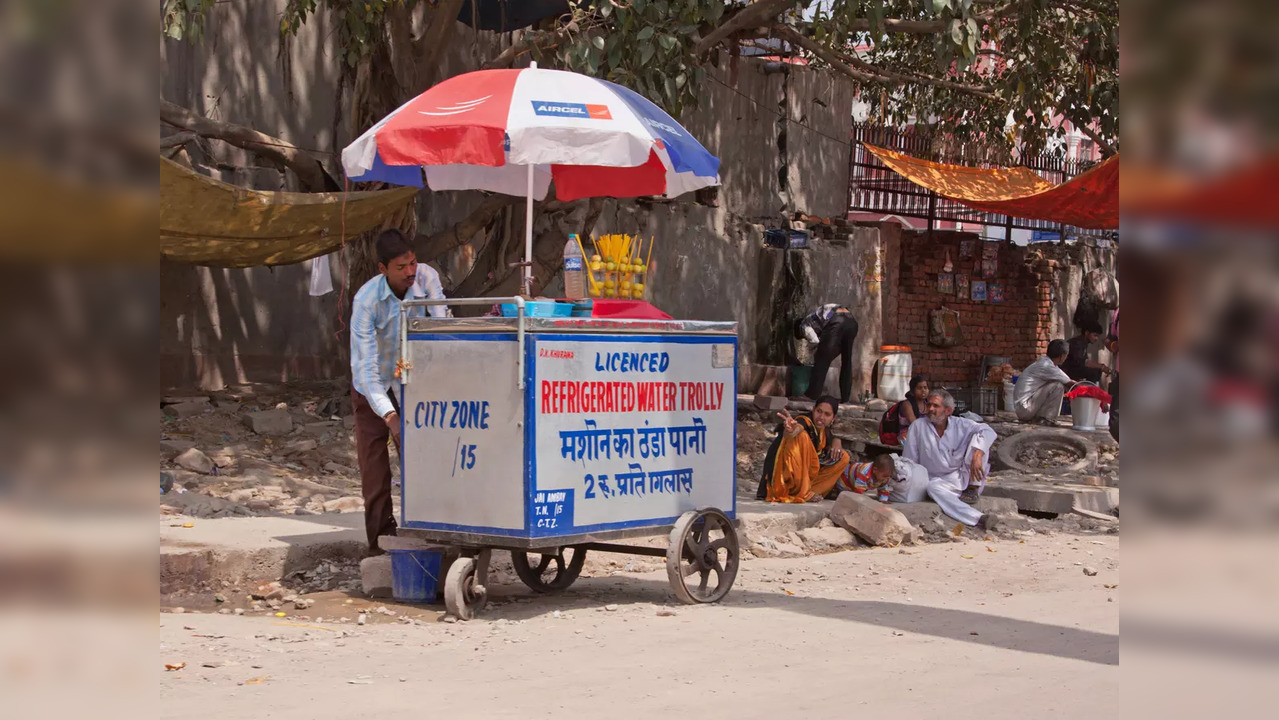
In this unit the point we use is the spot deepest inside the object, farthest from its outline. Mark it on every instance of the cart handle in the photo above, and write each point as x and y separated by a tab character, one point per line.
406	368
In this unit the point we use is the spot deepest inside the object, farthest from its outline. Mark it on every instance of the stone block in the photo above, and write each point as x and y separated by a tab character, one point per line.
175	447
920	514
828	538
190	408
996	505
195	461
770	403
347	504
375	576
874	522
876	405
301	446
270	422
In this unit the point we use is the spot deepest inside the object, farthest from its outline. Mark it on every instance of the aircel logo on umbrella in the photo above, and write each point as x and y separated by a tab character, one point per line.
576	110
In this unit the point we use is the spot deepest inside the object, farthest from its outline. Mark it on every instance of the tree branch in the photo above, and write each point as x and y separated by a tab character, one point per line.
1107	148
435	39
399	31
530	39
753	15
462	231
865	72
309	171
177	138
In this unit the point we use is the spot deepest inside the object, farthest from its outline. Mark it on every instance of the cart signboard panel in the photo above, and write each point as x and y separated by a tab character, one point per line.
629	431
463	440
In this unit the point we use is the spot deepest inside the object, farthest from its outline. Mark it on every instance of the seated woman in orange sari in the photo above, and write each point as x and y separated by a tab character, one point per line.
805	462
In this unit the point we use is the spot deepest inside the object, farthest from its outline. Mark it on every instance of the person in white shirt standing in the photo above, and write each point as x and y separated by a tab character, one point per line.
955	452
1042	385
375	352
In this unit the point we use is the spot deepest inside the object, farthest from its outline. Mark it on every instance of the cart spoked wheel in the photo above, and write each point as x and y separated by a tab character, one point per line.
552	571
464	596
701	560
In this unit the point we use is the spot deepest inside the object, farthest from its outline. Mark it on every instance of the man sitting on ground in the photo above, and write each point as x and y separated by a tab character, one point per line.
954	451
1037	396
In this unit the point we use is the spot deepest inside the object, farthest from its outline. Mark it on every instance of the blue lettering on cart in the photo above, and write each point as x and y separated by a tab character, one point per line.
632	362
595	443
458	414
635	482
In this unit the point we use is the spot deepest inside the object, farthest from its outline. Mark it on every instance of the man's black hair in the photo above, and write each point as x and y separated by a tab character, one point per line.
390	245
1058	348
1090	326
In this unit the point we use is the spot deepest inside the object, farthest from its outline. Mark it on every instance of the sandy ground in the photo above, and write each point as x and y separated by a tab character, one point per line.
971	629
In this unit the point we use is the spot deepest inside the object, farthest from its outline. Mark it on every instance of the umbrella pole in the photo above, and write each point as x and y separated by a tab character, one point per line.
528	236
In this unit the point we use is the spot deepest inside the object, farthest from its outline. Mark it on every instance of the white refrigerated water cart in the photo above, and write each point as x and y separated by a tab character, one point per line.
552	437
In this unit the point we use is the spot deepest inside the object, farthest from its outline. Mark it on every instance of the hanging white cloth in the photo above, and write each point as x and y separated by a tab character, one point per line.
321	276
911	483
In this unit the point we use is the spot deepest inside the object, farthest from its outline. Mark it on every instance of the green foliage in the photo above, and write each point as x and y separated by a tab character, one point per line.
184	18
967	66
360	23
646	45
1040	60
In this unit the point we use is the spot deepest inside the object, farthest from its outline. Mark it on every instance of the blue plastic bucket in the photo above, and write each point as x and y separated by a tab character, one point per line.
415	574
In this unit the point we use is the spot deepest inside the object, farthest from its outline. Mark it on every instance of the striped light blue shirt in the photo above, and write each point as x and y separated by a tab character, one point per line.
375	332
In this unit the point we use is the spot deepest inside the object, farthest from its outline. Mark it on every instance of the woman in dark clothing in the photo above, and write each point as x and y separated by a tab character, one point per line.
832	328
897	419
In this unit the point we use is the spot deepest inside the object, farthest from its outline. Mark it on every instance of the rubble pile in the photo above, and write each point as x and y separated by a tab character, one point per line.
256	451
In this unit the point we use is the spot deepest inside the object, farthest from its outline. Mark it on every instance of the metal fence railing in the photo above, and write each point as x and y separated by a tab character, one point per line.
875	188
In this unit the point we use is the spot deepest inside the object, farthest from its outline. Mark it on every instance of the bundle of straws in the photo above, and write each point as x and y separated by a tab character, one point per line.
618	263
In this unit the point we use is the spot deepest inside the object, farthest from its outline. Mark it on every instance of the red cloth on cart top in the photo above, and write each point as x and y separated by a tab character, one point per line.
626	310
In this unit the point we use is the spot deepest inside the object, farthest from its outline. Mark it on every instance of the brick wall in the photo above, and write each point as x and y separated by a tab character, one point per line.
1017	328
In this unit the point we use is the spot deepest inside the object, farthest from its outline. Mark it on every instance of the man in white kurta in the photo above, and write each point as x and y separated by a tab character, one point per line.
955	451
1038	393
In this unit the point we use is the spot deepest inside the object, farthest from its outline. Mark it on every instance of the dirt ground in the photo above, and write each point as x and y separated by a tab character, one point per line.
981	629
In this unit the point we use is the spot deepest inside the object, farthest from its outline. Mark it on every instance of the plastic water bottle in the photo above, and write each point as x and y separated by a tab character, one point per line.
574	270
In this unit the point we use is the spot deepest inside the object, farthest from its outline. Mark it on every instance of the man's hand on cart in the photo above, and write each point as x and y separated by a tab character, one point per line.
392	420
791	427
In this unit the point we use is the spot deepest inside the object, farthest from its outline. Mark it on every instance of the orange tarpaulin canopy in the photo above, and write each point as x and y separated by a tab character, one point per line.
1090	200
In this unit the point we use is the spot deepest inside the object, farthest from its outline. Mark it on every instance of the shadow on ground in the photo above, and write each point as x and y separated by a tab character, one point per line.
963	625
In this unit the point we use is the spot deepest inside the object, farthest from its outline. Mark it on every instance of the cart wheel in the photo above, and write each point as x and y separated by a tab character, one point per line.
703	543
460	595
551	573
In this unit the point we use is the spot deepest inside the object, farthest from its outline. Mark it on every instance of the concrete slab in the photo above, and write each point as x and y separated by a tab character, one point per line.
1059	498
765	519
921	513
245	550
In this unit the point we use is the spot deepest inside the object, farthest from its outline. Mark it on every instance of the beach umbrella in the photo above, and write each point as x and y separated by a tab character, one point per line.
518	131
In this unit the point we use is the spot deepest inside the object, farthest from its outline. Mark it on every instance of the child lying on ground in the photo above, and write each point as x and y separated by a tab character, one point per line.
875	477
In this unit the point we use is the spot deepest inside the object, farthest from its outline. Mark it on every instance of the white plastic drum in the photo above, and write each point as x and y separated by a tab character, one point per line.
895	365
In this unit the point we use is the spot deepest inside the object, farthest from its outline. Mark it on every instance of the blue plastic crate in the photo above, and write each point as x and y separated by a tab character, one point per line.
539	308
